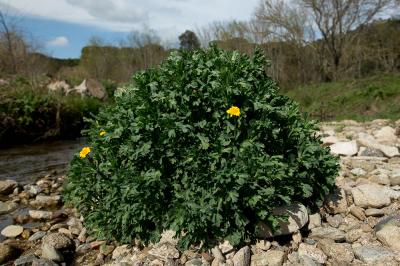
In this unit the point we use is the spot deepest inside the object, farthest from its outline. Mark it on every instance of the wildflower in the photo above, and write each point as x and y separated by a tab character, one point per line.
233	111
84	152
102	133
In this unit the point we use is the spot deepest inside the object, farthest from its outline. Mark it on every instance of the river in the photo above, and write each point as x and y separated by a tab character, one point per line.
26	163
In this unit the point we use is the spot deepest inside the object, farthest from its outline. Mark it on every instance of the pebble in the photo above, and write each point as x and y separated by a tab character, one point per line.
12	231
328	232
7	186
37	235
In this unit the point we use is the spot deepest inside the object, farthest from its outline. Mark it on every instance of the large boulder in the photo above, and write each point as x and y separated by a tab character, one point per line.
389	235
298	217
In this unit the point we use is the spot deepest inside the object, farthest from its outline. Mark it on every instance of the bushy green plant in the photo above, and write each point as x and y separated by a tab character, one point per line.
169	156
28	114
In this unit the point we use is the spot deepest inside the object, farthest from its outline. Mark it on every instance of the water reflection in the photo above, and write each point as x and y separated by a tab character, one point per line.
25	163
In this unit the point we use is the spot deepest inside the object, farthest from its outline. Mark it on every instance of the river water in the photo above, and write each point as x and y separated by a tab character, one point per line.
26	163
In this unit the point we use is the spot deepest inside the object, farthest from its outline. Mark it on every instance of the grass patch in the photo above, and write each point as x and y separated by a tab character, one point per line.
364	99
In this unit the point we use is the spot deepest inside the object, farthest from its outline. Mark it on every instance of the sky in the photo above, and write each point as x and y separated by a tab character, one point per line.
65	26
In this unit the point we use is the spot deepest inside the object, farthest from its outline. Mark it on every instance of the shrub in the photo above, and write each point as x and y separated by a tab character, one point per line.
170	156
28	114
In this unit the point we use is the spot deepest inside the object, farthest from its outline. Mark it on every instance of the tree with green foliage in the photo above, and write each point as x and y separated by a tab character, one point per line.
189	40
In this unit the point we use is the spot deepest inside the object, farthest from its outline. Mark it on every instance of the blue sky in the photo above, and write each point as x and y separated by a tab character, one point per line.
63	27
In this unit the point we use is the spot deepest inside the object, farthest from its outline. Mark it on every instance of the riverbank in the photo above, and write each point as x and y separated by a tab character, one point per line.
32	114
359	223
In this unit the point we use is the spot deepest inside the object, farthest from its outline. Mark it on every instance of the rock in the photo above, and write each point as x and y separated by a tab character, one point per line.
298	217
57	247
26	260
382	179
96	89
369	141
91	87
225	247
164	251
374	212
389	235
59	86
358	172
263	245
314	221
49	252
12	231
336	202
40	215
7	207
33	190
7	186
7	253
353	235
335	220
390	220
372	254
242	257
195	262
370	195
217	253
370	152
82	235
328	232
348	148
395	178
270	258
37	235
341	253
386	135
358	213
313	252
329	140
42	201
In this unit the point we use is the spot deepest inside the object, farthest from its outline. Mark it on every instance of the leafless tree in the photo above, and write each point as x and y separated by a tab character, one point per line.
335	19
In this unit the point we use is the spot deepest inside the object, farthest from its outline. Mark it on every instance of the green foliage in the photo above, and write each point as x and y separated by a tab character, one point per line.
361	99
173	158
30	114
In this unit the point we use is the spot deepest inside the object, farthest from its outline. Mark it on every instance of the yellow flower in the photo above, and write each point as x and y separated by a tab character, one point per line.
84	152
102	133
233	111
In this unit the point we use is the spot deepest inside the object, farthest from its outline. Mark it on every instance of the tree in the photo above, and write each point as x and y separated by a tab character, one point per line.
335	19
189	40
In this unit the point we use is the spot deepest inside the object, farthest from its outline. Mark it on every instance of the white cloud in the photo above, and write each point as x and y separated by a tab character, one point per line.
58	41
166	17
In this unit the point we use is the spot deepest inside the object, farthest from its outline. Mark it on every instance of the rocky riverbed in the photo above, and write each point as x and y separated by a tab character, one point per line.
358	225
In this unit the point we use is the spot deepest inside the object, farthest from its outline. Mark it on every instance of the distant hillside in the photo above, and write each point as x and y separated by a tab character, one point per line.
364	99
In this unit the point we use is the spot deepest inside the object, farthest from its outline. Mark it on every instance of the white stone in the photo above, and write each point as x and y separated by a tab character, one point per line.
370	196
348	148
386	135
12	231
298	217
